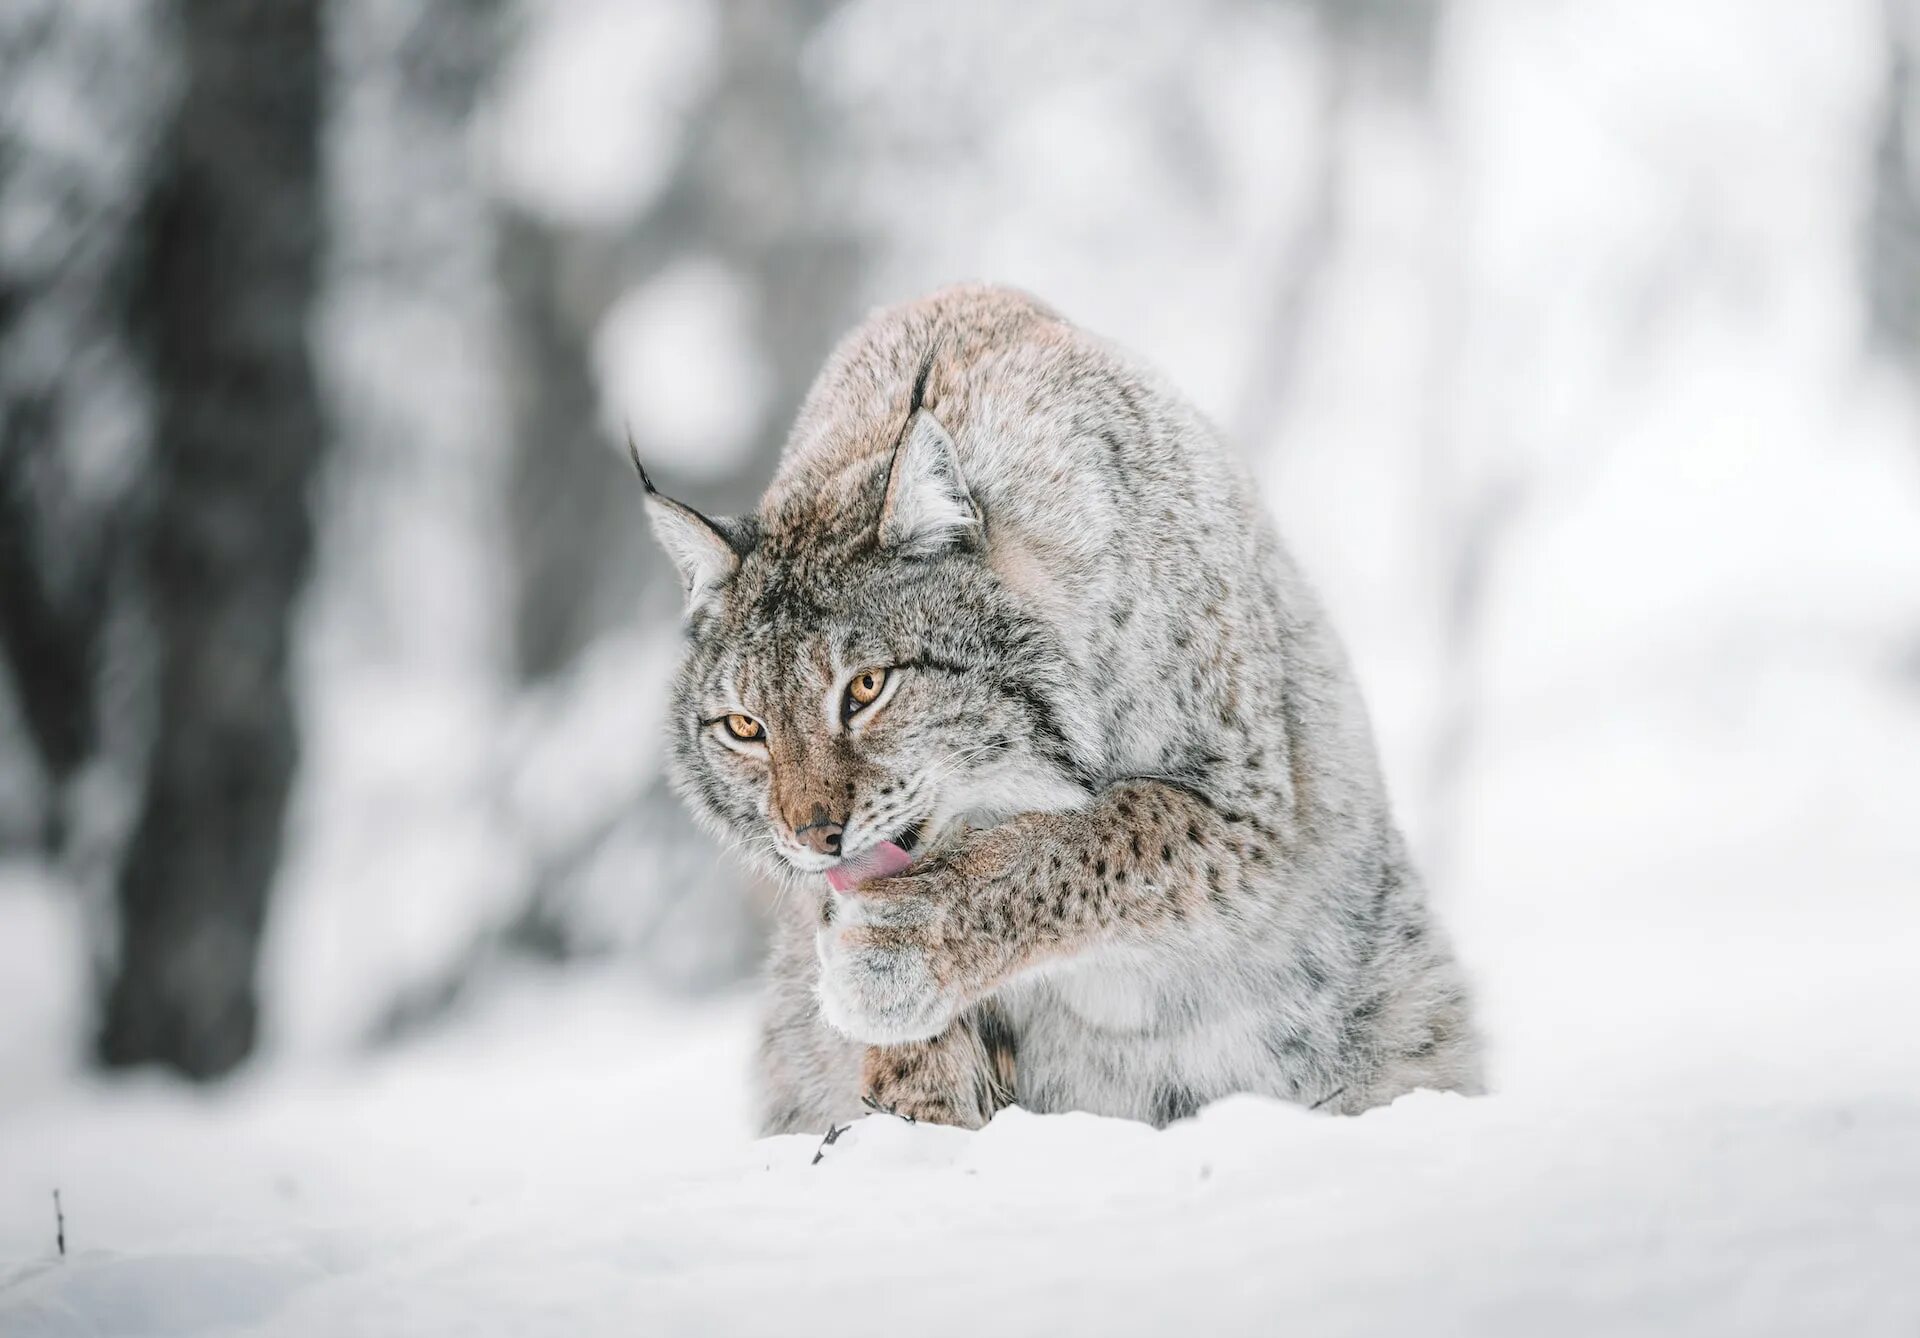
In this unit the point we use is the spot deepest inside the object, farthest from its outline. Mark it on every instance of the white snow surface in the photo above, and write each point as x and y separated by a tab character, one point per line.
1729	1144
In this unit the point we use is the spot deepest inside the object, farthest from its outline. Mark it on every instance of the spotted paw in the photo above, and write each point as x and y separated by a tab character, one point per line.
880	968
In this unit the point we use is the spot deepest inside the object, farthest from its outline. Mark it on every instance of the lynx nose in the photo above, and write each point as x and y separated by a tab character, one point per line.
823	836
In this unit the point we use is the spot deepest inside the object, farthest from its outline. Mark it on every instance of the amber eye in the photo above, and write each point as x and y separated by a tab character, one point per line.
745	728
864	688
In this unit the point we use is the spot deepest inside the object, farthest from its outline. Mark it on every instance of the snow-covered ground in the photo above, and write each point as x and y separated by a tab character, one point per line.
1703	1125
1693	924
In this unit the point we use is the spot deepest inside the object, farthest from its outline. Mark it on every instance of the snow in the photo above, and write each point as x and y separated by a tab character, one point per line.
1729	1143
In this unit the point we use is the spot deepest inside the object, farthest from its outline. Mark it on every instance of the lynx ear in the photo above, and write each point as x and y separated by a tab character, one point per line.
928	508
705	550
697	545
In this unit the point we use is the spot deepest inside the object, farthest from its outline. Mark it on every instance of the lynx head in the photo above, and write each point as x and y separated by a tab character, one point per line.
854	671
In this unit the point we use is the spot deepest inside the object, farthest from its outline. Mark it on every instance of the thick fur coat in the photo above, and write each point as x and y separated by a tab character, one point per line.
1011	604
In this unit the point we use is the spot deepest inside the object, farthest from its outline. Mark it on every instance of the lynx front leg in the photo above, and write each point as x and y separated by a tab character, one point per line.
960	1077
902	957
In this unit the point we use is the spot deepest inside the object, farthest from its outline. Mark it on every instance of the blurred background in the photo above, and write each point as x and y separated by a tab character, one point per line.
1576	347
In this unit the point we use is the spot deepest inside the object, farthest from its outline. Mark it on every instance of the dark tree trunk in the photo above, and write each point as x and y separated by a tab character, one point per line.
564	495
231	263
70	188
1893	213
755	188
49	641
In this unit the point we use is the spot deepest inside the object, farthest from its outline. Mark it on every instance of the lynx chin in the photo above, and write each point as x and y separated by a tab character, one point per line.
1010	680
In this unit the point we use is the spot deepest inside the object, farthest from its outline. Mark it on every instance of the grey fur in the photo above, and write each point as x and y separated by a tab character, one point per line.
1162	866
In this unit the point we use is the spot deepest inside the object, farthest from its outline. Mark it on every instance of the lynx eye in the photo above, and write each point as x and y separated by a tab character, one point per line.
744	728
861	692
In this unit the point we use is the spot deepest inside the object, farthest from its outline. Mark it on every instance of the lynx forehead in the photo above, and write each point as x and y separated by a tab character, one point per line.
1011	610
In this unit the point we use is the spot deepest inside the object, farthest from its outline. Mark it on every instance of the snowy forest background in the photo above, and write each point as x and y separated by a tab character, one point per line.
1577	348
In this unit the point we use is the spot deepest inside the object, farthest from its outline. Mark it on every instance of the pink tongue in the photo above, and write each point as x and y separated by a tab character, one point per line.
878	861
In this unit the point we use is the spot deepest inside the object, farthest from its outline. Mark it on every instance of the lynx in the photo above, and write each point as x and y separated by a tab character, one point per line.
1011	682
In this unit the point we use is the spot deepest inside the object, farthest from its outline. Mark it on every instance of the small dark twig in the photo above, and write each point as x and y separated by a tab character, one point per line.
833	1132
59	1225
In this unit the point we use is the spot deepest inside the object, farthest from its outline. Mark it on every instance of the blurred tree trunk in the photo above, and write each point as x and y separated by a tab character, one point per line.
49	629
72	419
1893	217
231	260
760	187
755	188
1366	51
563	487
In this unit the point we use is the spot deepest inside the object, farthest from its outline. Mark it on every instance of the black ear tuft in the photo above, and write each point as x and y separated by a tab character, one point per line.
633	453
919	397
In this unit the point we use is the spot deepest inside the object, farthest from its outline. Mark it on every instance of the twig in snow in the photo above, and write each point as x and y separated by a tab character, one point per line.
59	1225
833	1131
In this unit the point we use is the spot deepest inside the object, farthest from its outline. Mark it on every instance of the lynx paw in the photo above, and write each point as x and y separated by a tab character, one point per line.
941	1081
880	976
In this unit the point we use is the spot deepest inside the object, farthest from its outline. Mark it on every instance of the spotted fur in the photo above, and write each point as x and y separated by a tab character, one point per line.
1159	865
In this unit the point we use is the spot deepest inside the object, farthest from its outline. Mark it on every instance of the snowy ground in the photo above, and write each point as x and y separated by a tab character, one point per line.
1728	1150
1694	941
